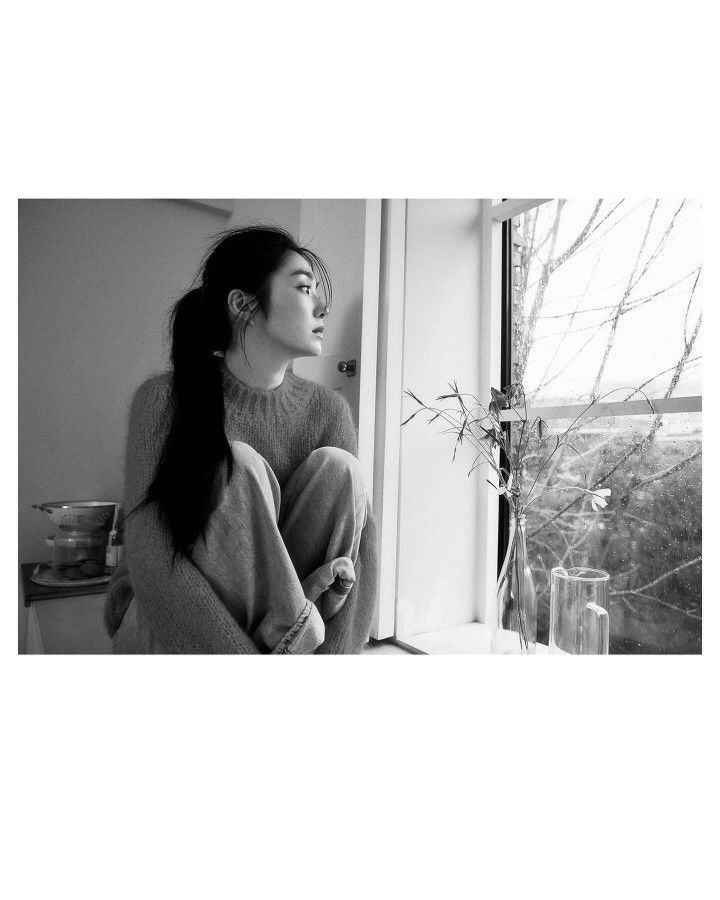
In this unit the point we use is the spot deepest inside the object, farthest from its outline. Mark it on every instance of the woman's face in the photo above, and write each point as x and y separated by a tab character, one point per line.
295	309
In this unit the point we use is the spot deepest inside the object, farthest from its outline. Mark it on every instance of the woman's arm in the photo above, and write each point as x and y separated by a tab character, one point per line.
184	613
340	429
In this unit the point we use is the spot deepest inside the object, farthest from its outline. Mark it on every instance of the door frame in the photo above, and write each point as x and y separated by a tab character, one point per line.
387	223
386	439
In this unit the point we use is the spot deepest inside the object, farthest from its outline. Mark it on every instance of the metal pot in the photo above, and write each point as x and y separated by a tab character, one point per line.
80	515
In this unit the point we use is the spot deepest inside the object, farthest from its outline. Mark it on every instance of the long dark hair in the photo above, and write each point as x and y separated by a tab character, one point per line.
199	326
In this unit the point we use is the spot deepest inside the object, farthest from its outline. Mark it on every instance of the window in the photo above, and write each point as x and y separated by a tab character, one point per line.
602	299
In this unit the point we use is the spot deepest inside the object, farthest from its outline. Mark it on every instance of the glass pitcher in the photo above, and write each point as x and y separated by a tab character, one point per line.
579	618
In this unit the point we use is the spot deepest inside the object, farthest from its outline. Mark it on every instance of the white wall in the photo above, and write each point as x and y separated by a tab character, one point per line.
438	515
285	213
96	278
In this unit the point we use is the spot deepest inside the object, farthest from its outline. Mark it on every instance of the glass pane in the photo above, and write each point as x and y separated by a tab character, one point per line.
648	537
607	295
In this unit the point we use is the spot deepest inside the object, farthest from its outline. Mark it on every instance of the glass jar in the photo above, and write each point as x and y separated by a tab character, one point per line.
79	554
579	604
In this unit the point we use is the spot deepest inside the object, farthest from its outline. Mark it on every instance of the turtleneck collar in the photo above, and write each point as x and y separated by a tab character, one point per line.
283	398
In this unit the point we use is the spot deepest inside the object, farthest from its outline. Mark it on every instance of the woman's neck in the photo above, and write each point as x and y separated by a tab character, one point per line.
265	374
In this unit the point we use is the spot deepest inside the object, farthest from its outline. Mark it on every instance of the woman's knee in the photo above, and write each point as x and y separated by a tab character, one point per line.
336	456
247	460
343	461
244	454
340	460
251	471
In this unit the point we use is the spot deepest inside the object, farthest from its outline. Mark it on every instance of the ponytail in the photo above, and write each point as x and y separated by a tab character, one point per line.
184	481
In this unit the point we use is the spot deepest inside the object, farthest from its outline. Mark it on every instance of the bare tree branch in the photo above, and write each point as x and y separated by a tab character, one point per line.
568	363
687	309
621	304
659	375
577	243
686	612
662	243
529	324
656	423
665	575
591	242
659	476
562	340
639	302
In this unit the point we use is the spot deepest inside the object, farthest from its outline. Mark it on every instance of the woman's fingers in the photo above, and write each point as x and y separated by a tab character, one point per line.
338	575
336	595
344	572
318	581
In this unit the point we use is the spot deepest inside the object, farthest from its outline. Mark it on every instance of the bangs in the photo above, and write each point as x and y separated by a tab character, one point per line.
321	274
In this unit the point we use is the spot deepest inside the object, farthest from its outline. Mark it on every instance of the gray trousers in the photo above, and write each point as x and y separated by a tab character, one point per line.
264	548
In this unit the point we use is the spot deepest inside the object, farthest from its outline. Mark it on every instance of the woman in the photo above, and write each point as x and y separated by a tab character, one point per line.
250	528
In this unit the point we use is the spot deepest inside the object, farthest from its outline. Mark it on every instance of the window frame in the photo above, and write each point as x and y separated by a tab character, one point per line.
505	371
502	214
494	334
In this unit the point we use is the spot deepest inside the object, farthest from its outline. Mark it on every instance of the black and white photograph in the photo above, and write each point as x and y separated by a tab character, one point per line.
221	426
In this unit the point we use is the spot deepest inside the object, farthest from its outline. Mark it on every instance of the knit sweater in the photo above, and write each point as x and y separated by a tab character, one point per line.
285	425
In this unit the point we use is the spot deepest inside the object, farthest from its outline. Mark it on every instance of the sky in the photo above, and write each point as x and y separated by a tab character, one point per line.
650	338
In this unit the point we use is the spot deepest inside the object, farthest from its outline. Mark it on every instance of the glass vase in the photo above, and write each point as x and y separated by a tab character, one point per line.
514	625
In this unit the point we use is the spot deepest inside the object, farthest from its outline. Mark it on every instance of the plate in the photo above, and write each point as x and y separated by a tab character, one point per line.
44	575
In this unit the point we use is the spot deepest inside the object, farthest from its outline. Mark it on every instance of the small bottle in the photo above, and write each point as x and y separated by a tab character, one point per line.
111	551
115	550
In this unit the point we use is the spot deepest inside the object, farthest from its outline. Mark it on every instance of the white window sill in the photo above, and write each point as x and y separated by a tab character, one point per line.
472	638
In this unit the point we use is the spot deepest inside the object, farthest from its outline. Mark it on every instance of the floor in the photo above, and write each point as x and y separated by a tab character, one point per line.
472	638
384	647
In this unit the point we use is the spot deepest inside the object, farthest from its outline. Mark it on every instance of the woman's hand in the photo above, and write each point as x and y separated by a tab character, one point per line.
335	579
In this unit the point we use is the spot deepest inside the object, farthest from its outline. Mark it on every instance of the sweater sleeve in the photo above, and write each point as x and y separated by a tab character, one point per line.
182	610
340	428
349	629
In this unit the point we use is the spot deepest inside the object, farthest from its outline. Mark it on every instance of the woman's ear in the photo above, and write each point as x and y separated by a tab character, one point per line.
239	302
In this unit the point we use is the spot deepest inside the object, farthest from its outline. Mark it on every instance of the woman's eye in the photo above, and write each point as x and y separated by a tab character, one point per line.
305	287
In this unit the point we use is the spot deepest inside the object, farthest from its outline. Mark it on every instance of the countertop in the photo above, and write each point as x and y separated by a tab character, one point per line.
35	592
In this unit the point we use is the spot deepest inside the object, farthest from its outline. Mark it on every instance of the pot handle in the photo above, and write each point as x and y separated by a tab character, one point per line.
595	634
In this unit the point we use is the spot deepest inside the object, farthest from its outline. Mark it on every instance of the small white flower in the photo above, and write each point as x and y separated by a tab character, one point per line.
598	500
